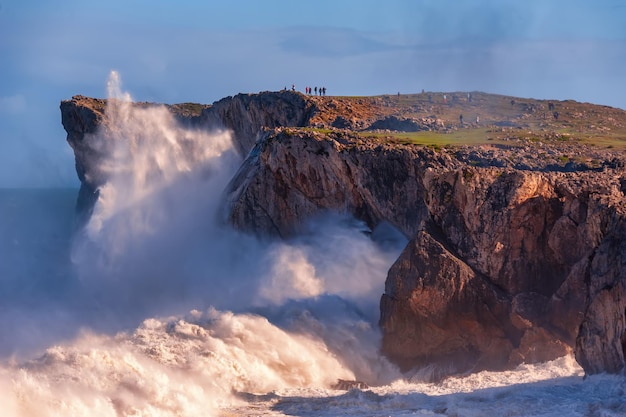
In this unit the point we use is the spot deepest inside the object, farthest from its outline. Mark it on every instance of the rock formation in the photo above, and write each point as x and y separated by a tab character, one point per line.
516	251
501	264
243	115
294	175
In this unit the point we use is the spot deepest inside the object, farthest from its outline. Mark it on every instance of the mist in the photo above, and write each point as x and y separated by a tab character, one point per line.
157	278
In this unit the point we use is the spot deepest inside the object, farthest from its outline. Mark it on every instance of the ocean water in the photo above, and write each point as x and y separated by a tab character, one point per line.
158	308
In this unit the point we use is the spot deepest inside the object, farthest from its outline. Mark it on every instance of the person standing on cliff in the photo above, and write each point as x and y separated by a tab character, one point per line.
461	119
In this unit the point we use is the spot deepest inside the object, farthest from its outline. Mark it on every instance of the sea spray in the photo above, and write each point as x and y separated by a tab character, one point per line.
273	325
291	314
184	366
150	242
150	163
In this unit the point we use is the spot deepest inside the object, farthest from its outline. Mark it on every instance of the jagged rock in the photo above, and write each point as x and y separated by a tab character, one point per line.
341	122
395	123
345	385
292	176
437	311
601	342
246	114
516	253
532	241
497	271
82	116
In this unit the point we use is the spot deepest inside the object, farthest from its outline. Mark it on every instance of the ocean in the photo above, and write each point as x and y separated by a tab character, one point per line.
157	307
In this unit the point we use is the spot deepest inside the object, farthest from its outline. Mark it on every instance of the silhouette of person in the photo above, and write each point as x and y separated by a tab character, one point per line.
461	118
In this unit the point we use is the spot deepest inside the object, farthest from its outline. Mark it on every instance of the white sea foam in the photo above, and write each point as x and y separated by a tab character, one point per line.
221	363
178	366
238	326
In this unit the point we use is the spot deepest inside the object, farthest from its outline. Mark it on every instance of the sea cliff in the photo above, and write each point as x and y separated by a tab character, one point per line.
515	220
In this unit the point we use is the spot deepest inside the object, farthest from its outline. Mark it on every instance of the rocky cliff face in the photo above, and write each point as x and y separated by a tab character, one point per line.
246	114
516	253
513	276
294	175
504	266
83	116
243	115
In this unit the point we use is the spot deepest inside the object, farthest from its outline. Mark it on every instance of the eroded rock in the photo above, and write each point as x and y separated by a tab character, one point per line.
515	254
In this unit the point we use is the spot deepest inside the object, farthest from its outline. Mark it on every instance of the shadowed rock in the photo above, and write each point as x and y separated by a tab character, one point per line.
345	385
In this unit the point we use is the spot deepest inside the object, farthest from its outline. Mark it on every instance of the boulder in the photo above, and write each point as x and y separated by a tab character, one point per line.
396	123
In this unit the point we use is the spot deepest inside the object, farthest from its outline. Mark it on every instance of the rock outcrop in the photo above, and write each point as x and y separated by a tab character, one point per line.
516	252
504	266
514	272
244	115
294	175
395	123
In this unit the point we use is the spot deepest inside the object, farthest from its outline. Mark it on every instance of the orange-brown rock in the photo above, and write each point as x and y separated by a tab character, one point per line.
502	265
516	252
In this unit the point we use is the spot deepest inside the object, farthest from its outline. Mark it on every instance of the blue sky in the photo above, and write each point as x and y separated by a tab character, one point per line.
202	51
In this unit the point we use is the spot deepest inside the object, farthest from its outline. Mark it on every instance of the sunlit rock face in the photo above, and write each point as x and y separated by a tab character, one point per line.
291	176
505	271
511	258
246	114
500	268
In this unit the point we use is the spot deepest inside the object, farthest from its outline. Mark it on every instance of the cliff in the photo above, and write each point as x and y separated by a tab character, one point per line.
504	266
516	221
243	115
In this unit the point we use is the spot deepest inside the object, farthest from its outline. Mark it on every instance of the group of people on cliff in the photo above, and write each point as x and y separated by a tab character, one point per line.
318	91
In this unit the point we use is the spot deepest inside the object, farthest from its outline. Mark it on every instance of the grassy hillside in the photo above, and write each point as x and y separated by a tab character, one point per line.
487	118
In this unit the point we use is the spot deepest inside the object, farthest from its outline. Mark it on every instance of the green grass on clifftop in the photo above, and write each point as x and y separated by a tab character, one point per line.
489	119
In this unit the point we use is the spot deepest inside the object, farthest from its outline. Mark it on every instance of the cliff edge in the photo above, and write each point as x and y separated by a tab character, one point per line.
515	219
